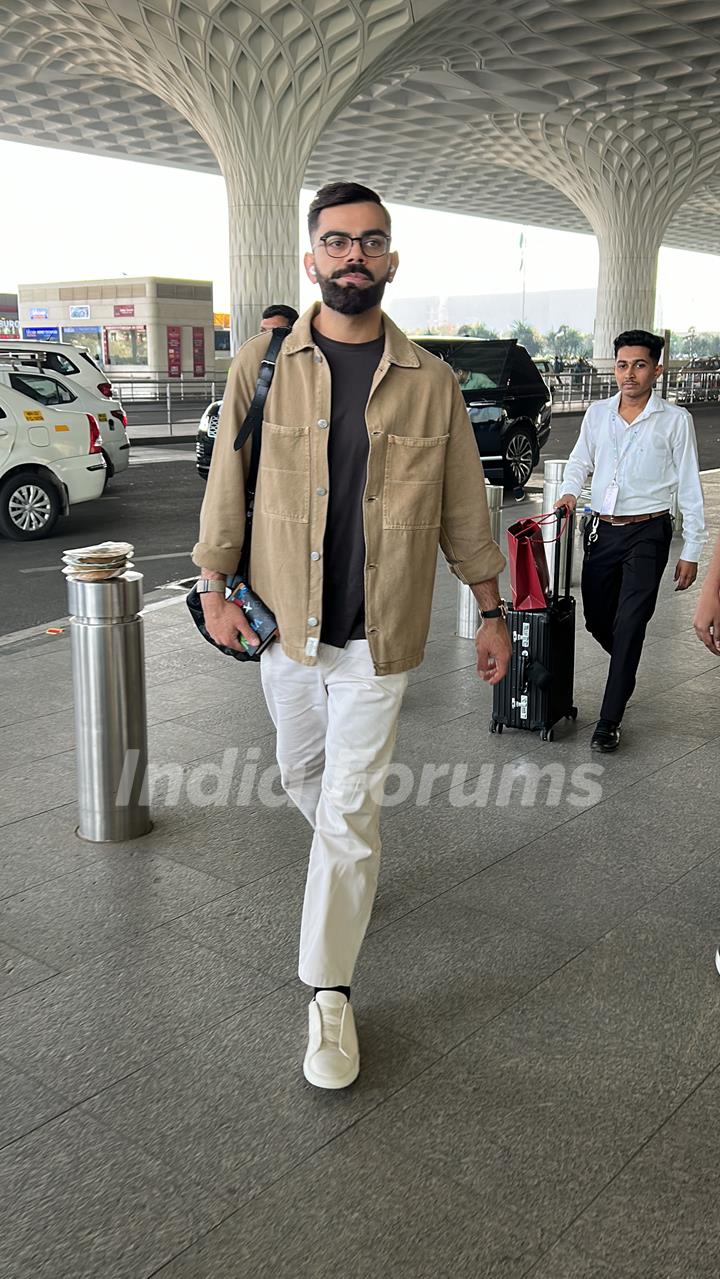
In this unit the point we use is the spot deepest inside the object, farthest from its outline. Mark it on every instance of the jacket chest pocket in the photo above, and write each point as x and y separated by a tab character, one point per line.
284	477
414	473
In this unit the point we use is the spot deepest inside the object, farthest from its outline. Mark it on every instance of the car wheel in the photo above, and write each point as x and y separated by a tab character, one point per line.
29	506
519	459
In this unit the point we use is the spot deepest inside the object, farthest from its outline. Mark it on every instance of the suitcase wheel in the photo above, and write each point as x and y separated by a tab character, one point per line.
547	735
495	727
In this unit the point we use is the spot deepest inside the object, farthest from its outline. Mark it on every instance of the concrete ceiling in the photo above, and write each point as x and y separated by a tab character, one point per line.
476	107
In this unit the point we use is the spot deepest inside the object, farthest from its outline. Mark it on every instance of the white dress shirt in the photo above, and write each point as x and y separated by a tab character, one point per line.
657	456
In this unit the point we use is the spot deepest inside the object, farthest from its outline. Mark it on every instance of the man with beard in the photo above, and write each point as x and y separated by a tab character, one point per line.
368	462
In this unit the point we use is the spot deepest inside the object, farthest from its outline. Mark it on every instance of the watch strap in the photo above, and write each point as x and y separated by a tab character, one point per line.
489	613
206	585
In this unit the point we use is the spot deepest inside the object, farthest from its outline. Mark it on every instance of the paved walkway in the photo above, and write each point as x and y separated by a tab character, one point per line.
538	1008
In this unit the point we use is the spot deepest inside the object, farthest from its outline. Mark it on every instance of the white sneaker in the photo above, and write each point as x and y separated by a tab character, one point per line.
332	1059
717	959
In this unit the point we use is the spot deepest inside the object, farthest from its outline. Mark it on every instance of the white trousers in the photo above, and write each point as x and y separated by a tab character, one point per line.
336	724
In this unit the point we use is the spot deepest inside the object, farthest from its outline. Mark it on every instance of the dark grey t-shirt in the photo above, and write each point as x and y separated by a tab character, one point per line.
352	368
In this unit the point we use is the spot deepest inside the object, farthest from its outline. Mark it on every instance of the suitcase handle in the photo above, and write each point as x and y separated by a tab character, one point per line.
568	516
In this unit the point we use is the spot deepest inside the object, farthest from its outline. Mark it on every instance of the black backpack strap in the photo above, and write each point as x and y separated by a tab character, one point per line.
262	386
251	426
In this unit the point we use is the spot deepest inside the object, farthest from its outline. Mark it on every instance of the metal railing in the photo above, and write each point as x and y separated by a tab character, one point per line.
158	388
575	391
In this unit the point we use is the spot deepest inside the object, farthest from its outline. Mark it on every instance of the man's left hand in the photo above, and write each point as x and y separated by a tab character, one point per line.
494	650
685	574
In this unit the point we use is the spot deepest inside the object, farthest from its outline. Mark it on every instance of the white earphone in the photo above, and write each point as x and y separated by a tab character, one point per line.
313	270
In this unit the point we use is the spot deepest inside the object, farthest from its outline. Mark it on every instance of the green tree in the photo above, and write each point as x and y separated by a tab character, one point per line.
527	337
475	330
567	342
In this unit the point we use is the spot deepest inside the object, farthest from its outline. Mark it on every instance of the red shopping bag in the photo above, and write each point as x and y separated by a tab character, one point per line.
529	578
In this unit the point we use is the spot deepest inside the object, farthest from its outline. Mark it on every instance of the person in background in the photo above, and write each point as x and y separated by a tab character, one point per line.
707	614
278	316
641	450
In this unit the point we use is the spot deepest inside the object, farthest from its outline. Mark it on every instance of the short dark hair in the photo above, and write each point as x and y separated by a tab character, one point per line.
641	337
287	312
334	193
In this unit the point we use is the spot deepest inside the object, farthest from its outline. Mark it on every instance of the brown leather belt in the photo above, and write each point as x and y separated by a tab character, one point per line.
630	519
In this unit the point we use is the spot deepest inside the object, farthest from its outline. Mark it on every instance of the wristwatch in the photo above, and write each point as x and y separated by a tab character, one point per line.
207	584
489	613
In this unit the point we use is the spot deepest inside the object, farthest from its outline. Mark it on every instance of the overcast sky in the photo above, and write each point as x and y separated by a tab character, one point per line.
70	216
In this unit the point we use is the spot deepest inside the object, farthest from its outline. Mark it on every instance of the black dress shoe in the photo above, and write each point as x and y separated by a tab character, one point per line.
606	736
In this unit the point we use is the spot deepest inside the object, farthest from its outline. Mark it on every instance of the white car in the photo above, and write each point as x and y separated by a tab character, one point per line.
23	374
72	362
50	459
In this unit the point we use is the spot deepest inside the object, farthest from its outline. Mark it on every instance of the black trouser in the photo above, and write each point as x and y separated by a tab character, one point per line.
620	582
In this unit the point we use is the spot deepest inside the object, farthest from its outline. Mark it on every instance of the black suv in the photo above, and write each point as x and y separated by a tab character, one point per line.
508	403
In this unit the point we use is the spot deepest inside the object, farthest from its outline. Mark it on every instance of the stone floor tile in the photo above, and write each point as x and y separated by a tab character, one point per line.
317	1220
18	971
610	860
76	1202
26	1104
232	1111
447	968
88	1028
102	906
35	849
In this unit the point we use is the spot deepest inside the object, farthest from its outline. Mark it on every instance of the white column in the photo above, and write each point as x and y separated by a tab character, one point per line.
264	257
627	281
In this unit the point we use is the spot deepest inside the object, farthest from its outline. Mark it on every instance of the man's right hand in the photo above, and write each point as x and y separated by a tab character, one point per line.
568	500
223	621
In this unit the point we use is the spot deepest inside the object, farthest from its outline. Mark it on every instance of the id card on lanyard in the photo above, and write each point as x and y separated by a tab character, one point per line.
612	491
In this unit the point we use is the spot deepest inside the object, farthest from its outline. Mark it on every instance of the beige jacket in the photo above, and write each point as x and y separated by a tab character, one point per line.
424	486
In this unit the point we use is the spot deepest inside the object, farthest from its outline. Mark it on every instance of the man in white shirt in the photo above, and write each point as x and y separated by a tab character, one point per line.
641	450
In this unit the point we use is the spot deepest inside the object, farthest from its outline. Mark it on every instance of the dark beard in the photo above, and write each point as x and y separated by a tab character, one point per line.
349	299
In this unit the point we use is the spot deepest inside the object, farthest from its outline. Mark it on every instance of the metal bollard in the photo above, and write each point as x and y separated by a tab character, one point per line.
110	713
467	609
552	490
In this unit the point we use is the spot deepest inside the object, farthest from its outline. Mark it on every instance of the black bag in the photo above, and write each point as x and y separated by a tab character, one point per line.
538	688
251	426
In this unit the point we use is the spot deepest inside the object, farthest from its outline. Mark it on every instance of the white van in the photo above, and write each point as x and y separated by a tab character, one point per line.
50	459
24	374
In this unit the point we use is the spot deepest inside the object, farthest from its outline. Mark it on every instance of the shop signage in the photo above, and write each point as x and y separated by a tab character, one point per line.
42	335
174	350
198	349
79	312
123	310
38	313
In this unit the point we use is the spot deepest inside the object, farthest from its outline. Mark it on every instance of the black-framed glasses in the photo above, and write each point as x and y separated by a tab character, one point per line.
373	245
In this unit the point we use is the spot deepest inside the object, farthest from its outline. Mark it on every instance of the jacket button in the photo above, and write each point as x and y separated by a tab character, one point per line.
312	621
314	555
318	358
322	423
321	492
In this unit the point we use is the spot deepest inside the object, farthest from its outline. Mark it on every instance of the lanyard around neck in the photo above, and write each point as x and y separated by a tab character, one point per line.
620	457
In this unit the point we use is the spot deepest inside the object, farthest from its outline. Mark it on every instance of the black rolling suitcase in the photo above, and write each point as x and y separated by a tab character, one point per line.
538	688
